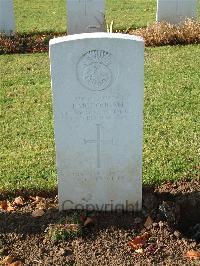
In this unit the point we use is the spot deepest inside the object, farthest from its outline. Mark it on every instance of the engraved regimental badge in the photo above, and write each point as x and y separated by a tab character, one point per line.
94	70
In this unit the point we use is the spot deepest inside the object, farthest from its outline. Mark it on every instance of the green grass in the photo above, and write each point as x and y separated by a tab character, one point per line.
40	15
50	15
171	125
130	13
27	151
172	112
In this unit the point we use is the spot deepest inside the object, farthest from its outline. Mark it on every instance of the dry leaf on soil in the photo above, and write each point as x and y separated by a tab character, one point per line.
36	199
3	204
7	261
149	222
192	254
83	217
6	206
72	227
151	249
10	207
19	201
139	241
16	263
39	202
37	213
88	221
139	251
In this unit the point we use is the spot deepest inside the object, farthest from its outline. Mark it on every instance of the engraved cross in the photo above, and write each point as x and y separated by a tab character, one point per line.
98	141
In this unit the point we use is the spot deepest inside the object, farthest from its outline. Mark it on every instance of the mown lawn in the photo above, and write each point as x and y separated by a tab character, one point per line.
171	128
50	15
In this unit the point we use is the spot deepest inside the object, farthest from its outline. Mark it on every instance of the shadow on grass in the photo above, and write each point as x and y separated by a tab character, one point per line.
32	42
33	34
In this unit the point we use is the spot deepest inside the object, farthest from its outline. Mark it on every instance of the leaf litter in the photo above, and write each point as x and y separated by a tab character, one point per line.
150	237
157	34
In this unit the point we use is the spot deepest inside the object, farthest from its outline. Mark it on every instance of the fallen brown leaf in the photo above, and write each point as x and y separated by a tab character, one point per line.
36	199
16	263
72	227
192	254
6	205
37	213
151	249
10	207
88	221
43	204
83	217
3	205
149	222
7	260
32	198
19	201
139	241
139	251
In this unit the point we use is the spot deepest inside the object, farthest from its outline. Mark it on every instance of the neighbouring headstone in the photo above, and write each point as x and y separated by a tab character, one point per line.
85	16
97	83
176	11
7	19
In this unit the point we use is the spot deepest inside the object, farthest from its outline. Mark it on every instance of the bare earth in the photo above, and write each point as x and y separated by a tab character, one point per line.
173	230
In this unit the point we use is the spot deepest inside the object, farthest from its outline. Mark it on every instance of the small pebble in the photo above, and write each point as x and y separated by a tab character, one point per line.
193	244
185	242
161	224
177	234
137	220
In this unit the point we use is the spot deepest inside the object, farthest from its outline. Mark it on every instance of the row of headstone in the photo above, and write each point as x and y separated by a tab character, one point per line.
98	89
7	18
89	15
83	16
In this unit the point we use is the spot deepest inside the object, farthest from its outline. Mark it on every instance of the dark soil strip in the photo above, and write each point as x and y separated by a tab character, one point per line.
174	208
157	34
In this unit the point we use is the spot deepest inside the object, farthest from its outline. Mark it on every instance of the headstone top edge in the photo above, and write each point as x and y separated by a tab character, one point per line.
96	35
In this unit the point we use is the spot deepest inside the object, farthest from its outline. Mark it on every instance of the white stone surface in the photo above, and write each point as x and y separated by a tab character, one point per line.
176	11
85	16
7	19
97	82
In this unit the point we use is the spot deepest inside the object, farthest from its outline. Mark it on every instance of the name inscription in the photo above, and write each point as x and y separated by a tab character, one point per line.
99	108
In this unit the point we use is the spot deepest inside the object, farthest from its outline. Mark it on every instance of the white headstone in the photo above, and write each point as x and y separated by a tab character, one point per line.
7	20
85	16
176	11
97	82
